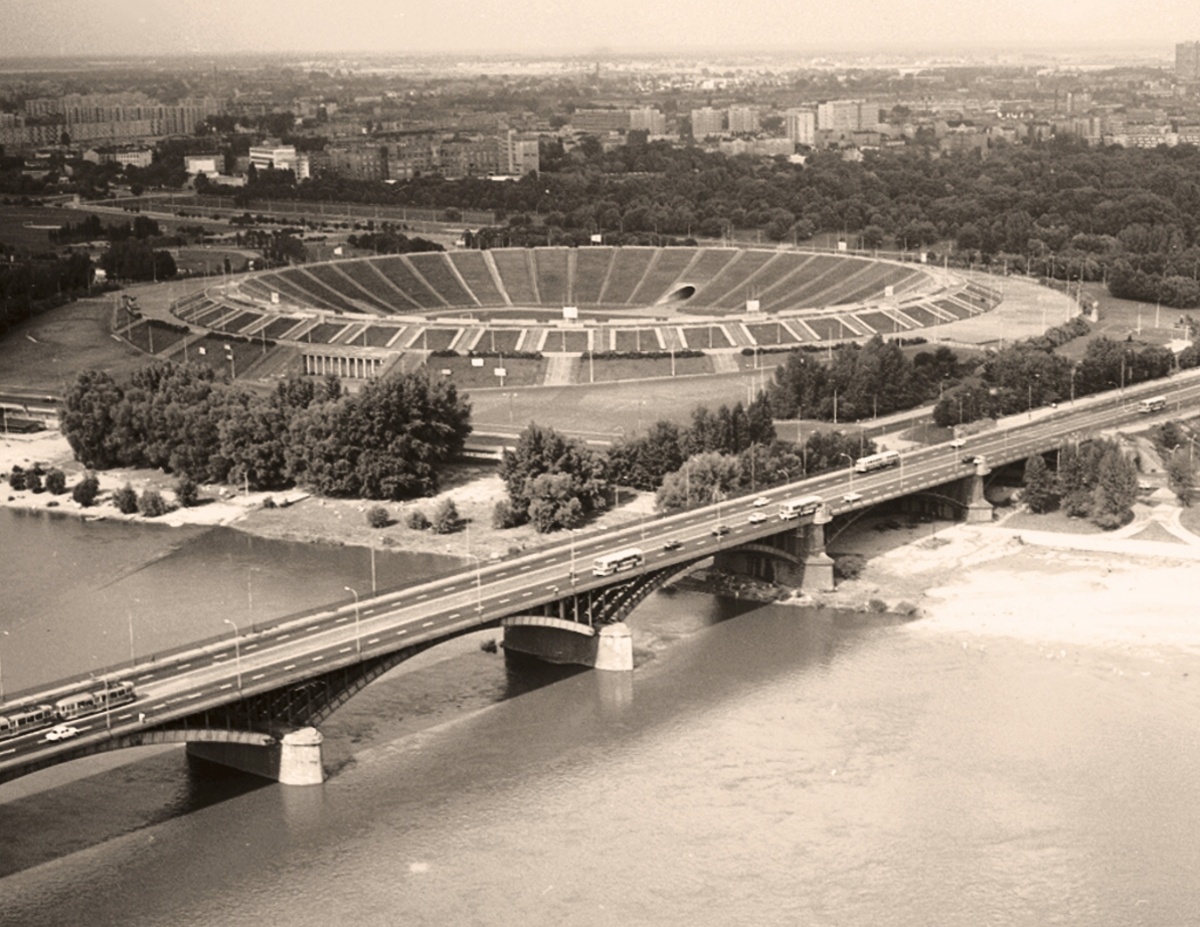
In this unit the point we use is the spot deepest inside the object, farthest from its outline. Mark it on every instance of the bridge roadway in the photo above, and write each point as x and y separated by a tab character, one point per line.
266	659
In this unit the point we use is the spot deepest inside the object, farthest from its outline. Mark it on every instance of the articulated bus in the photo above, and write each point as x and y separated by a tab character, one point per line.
877	461
627	559
801	505
1153	404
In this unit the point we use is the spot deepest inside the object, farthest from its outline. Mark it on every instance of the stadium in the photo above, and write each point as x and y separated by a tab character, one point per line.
546	316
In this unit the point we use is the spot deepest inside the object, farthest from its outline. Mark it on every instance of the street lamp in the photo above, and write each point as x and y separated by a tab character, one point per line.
571	531
237	651
478	581
849	460
357	637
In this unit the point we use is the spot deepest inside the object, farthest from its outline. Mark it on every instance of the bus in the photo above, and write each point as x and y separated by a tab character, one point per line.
627	559
85	703
801	505
877	461
1153	404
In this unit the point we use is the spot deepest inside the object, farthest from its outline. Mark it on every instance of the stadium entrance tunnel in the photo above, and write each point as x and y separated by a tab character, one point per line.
678	295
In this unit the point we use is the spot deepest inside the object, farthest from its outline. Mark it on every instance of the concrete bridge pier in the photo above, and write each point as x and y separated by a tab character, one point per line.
978	508
295	759
609	647
818	565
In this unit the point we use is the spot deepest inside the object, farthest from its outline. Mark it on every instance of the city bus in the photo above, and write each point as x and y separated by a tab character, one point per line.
801	505
1153	404
627	559
877	461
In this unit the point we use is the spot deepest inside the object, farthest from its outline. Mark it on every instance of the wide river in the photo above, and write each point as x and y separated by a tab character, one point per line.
762	765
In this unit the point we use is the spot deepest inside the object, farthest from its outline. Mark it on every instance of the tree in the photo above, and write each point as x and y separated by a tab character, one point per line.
543	452
1115	490
417	520
1040	492
56	482
16	477
1181	476
446	519
502	515
152	504
702	479
33	481
126	500
86	490
187	493
377	517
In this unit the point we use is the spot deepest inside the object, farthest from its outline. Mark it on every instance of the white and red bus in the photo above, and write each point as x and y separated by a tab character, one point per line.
801	505
879	461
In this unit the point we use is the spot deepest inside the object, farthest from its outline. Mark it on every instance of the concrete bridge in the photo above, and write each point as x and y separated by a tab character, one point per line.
254	700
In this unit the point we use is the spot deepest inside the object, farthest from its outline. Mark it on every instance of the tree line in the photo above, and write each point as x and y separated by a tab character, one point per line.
387	441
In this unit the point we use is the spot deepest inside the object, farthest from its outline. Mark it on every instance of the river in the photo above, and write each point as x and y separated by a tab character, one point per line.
762	765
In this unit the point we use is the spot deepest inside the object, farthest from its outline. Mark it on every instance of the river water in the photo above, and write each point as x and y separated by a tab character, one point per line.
762	765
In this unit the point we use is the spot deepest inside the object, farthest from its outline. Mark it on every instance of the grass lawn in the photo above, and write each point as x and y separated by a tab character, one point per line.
1051	521
639	368
1123	318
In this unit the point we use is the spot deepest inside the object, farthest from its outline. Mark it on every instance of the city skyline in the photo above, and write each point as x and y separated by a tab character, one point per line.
139	27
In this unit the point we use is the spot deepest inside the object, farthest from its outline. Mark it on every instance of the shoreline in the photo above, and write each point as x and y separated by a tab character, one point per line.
1108	590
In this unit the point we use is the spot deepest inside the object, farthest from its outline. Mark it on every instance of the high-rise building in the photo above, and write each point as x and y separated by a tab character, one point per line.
706	122
840	116
800	126
649	119
742	119
1187	61
600	120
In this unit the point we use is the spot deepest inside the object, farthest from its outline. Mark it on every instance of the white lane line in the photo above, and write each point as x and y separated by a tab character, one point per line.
183	666
340	620
311	628
317	658
145	676
228	685
427	624
250	646
449	589
423	595
502	601
283	637
345	650
526	595
290	666
502	573
373	640
402	631
10	750
124	717
455	615
188	698
257	676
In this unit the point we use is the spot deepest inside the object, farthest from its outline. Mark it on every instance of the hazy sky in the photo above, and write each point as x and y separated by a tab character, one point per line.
152	27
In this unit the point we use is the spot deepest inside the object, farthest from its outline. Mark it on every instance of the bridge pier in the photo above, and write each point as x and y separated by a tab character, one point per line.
609	647
818	565
979	510
294	760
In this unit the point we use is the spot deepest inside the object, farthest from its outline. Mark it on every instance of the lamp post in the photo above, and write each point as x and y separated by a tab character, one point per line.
132	653
5	633
237	651
478	581
571	531
850	461
357	637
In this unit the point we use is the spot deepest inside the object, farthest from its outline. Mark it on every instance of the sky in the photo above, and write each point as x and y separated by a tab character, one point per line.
171	27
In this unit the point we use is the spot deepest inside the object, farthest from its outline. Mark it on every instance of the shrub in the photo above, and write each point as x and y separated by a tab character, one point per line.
86	490
33	481
877	605
269	503
152	504
16	478
187	493
378	517
56	482
416	520
126	500
849	566
503	515
445	517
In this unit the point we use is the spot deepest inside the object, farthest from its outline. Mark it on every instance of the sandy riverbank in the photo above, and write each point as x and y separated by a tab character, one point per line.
983	580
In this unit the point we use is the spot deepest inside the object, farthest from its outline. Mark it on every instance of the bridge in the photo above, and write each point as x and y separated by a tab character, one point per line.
254	699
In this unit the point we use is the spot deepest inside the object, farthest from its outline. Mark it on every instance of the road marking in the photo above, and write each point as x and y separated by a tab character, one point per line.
526	595
317	658
373	640
188	698
427	624
283	637
502	601
145	676
449	589
250	646
257	676
345	650
455	615
228	685
423	595
183	666
311	628
340	620
124	717
290	666
502	573
10	750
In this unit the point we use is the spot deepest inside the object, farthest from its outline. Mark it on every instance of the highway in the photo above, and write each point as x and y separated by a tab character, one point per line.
269	658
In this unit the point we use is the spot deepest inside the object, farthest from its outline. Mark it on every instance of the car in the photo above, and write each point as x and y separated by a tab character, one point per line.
760	502
719	530
852	497
958	442
672	544
757	518
972	460
61	732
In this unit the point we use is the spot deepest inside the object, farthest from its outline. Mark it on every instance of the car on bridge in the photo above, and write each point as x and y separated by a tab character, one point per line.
760	502
720	530
757	518
672	544
62	732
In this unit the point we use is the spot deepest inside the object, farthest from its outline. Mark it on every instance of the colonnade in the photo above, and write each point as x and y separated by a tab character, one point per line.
341	365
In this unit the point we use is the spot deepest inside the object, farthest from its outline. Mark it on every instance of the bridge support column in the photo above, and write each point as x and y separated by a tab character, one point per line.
978	508
294	760
610	648
818	565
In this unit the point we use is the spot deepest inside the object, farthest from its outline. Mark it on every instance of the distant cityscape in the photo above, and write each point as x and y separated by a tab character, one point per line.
378	120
